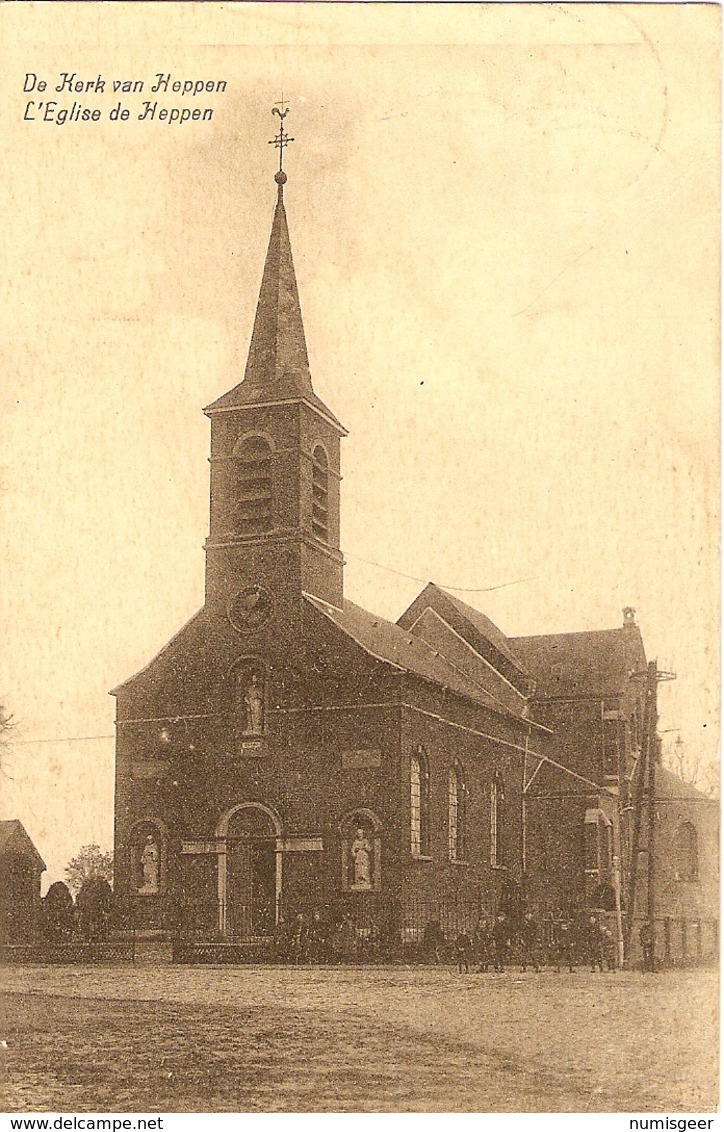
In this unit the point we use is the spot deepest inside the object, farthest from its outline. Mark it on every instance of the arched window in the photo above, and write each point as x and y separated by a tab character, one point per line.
497	798
687	852
456	813
419	804
254	495
320	493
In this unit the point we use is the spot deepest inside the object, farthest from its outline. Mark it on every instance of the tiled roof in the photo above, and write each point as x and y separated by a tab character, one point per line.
388	642
670	787
14	839
590	663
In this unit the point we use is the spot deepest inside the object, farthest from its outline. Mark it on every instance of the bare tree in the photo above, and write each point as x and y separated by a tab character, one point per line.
7	723
89	863
690	769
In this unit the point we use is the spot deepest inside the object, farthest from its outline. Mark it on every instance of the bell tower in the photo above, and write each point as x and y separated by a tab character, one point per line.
275	460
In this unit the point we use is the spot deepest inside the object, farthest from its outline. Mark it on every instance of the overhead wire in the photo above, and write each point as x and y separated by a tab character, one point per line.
442	585
348	554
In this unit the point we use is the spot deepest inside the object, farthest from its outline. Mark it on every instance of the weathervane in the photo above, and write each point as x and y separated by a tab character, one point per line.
281	140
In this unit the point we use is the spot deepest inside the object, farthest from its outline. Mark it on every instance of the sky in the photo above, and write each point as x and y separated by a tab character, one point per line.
505	226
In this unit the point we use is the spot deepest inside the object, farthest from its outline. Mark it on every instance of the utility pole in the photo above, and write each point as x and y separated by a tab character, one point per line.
651	830
640	779
644	793
619	921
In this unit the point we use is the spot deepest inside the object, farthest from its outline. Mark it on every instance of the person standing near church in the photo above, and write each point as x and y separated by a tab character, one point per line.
530	942
501	941
565	944
647	938
483	945
594	943
463	952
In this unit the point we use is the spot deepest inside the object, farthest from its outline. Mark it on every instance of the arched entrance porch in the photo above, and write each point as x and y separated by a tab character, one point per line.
249	871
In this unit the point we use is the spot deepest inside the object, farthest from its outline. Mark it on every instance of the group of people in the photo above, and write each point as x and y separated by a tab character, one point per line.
558	941
314	937
532	943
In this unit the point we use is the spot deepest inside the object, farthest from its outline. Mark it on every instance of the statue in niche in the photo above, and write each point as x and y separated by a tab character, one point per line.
254	702
361	850
149	867
248	700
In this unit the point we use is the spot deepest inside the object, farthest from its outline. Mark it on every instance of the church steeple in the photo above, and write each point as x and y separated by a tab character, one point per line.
275	451
277	366
278	359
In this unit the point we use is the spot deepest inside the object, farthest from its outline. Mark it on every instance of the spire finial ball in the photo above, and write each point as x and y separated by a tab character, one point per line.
280	178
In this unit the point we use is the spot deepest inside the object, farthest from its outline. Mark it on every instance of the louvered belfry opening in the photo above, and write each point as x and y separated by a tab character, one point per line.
254	507
320	494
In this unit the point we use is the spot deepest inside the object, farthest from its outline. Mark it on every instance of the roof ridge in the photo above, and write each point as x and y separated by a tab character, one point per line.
570	633
472	689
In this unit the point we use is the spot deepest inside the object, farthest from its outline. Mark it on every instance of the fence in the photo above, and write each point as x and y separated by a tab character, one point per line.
679	942
450	918
73	953
379	929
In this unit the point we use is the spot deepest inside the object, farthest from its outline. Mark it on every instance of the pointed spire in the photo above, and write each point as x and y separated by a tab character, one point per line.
278	351
277	367
278	358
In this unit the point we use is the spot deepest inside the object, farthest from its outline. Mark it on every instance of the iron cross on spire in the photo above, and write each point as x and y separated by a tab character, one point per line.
282	139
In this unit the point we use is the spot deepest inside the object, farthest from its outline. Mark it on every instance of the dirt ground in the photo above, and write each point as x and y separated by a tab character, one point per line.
344	1039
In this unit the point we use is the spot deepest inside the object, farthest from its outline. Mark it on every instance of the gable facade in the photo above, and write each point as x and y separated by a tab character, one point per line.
287	751
290	754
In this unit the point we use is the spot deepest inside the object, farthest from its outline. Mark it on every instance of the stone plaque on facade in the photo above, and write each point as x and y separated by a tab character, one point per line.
300	845
359	760
202	846
149	768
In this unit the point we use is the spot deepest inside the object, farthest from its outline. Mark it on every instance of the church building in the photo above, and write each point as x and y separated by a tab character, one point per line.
287	750
290	752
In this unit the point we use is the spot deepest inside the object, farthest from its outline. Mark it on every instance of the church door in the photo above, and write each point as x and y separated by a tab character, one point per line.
251	875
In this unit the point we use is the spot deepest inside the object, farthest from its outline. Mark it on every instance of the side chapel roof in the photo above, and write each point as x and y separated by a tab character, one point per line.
14	840
392	644
670	788
596	663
